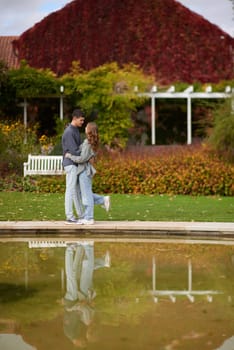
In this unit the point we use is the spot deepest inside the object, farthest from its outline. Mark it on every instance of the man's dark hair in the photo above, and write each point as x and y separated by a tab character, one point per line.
77	113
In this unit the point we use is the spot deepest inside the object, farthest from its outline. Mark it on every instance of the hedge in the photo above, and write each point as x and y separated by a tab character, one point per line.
185	170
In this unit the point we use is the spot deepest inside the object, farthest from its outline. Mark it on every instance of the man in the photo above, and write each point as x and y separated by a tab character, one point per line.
71	141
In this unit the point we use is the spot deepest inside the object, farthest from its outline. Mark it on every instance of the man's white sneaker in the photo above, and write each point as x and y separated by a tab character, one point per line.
107	203
85	222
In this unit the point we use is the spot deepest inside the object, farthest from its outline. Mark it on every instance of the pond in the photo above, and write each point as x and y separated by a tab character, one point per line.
119	294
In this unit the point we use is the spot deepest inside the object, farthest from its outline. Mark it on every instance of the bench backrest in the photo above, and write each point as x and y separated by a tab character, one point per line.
43	165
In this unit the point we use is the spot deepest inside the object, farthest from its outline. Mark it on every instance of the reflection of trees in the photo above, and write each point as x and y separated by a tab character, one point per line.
12	259
119	281
118	291
32	277
15	257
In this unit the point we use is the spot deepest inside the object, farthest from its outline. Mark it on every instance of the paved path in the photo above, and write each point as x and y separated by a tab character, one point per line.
132	228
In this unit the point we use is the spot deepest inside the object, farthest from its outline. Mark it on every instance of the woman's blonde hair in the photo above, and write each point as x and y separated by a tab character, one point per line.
92	135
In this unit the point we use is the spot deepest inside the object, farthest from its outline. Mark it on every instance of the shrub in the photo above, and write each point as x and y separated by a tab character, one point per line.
178	170
16	142
222	137
44	184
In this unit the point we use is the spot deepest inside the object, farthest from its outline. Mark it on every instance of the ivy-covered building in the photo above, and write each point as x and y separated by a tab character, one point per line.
161	36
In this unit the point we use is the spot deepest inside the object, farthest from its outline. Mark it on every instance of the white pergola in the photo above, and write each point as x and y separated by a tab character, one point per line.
187	94
61	108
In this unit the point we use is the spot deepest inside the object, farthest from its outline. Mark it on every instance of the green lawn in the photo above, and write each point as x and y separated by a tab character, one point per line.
31	206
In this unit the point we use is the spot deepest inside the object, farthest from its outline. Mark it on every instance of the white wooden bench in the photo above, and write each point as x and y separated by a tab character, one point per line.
43	165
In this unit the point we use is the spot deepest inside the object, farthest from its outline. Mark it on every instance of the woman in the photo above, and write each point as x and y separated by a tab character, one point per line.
86	171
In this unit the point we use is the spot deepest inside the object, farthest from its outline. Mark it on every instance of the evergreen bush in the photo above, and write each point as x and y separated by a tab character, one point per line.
222	136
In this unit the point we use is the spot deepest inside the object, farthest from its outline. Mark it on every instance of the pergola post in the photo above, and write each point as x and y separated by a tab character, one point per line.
189	121
153	133
25	120
61	102
153	115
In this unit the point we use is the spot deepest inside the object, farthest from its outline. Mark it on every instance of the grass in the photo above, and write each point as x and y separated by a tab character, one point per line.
16	206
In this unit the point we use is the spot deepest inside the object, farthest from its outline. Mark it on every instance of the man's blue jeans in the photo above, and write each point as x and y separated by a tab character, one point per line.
79	269
79	265
72	194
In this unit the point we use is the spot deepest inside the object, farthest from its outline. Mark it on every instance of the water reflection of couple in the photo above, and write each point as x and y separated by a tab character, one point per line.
78	300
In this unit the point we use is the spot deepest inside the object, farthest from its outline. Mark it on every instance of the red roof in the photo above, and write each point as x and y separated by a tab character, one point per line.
7	53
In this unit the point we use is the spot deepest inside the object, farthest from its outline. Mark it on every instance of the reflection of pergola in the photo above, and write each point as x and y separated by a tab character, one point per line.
189	293
187	94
